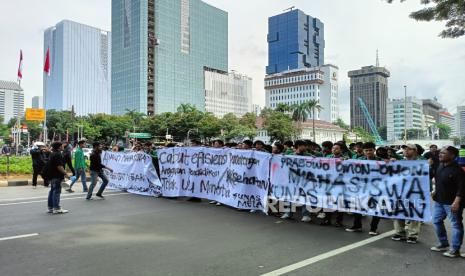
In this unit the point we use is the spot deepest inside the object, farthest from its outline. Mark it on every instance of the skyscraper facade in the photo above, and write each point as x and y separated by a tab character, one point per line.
227	93
295	41
369	83
401	116
11	101
160	50
37	102
80	68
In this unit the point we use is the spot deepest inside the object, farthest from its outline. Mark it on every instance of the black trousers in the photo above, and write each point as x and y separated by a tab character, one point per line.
36	172
373	225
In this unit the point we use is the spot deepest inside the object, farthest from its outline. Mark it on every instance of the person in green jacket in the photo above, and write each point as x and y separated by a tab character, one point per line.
80	167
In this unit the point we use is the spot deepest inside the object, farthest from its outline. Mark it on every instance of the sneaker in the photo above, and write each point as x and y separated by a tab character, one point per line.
88	198
354	229
373	233
34	187
60	211
398	237
50	211
412	240
218	204
463	255
70	191
252	211
452	253
212	202
101	196
321	215
306	219
440	248
286	216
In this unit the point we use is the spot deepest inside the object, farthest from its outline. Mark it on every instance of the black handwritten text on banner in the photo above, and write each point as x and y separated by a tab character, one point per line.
237	178
133	172
392	190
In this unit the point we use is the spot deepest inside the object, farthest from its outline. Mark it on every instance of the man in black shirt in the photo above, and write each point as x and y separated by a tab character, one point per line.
448	202
96	171
54	170
39	158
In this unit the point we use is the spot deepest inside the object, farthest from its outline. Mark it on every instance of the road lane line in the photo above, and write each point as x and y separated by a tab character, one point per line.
46	196
19	237
45	200
327	255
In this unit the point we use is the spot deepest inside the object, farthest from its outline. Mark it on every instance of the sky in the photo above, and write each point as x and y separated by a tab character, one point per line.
429	65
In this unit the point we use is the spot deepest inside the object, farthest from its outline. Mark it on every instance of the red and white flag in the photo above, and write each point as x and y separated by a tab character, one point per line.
20	67
47	62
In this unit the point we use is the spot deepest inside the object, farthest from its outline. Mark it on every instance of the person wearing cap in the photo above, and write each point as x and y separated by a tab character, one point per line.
39	159
448	199
80	166
408	230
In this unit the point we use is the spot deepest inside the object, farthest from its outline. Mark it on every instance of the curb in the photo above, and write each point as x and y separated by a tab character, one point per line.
14	183
3	183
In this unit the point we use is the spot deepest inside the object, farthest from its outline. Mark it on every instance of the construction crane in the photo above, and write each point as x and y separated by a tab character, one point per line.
289	9
371	123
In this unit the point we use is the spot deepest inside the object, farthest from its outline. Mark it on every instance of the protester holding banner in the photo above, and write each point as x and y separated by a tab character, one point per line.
369	150
448	199
96	171
408	230
300	148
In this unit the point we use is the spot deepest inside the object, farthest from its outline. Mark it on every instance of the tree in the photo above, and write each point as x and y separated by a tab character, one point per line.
444	131
59	123
312	106
363	135
340	123
3	128
414	134
209	126
383	132
280	127
300	112
282	107
451	11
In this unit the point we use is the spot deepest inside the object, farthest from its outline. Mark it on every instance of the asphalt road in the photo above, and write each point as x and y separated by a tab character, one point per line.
127	234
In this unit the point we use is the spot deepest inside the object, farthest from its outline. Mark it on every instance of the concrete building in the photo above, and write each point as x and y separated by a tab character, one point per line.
295	41
448	119
460	123
432	108
11	101
257	109
369	83
429	126
80	68
301	85
396	122
160	50
227	93
37	102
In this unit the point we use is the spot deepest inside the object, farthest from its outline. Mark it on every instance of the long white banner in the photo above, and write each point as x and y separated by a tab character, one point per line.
133	172
238	178
399	190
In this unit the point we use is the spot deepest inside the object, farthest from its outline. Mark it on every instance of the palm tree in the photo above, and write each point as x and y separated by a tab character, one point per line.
299	112
135	116
283	108
311	106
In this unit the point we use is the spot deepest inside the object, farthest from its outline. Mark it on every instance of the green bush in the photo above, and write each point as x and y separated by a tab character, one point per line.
18	165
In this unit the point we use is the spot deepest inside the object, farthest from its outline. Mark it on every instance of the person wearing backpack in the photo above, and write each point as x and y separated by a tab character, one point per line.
54	171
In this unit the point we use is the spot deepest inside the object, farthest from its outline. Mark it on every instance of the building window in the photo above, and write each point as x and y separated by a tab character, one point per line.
185	26
127	15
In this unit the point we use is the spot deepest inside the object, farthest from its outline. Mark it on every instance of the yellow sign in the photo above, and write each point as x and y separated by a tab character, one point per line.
35	114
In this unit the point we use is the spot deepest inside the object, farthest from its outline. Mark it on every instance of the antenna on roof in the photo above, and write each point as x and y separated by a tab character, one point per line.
290	9
377	58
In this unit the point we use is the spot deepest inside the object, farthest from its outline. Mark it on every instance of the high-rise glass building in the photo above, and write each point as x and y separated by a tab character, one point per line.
295	41
37	102
160	50
80	59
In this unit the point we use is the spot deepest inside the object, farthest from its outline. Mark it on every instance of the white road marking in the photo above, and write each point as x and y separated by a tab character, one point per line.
67	198
46	196
327	255
19	237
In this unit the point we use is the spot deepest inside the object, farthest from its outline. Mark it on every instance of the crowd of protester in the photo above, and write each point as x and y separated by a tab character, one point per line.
447	178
